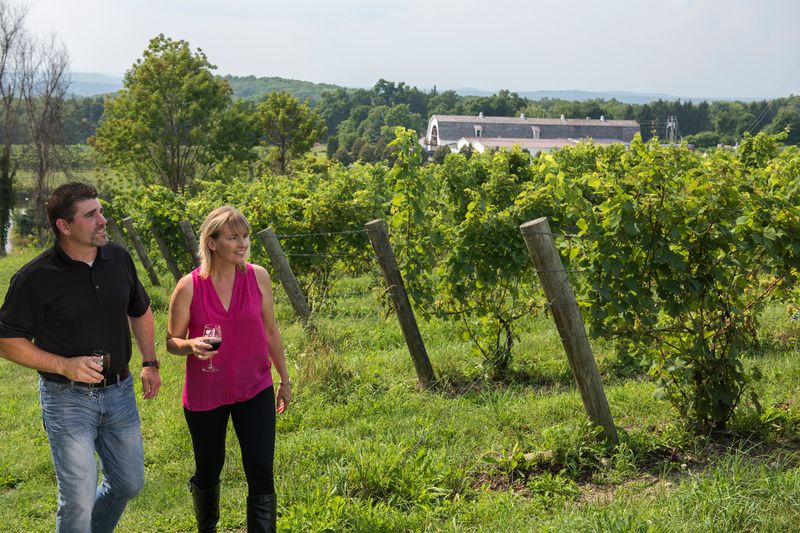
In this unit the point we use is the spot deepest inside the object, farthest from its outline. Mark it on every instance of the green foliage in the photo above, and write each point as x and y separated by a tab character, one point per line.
787	119
681	253
675	252
502	104
319	214
23	231
704	139
574	451
457	236
155	206
173	121
254	88
363	121
290	128
400	480
678	251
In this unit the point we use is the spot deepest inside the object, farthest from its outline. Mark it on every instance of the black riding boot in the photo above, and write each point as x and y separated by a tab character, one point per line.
206	507
262	513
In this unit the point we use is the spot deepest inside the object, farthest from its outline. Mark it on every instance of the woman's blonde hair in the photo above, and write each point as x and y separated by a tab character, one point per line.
212	227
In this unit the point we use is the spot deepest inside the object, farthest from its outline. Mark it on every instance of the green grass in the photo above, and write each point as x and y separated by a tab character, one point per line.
363	449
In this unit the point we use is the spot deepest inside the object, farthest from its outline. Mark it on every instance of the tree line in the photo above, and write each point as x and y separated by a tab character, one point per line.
360	122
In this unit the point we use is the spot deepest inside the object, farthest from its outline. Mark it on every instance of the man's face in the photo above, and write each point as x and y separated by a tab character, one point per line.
88	225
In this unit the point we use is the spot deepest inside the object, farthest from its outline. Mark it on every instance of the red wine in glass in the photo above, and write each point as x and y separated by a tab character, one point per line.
215	343
212	334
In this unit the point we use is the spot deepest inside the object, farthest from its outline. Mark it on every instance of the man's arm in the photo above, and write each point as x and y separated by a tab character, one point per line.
23	352
144	331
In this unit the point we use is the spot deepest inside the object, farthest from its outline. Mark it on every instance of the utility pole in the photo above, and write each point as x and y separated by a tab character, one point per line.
672	129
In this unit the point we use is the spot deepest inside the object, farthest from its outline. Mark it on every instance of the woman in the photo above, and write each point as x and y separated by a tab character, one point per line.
227	290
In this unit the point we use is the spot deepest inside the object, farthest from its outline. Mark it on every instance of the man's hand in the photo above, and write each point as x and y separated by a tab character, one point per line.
151	382
86	369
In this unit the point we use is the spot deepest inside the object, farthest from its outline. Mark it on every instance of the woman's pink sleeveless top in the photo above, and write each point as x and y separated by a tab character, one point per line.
243	357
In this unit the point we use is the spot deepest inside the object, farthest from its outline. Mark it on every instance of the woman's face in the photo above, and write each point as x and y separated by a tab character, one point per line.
230	245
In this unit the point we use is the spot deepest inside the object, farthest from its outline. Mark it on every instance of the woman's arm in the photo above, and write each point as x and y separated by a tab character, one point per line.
178	323
276	350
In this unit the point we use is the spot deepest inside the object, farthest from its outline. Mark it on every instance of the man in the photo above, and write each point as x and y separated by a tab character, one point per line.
77	297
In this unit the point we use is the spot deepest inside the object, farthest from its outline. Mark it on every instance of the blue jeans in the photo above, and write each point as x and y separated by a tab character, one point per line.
80	422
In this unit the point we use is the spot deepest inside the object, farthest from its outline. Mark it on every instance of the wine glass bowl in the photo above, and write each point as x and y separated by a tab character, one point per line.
212	334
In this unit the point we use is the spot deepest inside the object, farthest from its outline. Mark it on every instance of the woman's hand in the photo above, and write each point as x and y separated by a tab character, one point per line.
283	397
201	349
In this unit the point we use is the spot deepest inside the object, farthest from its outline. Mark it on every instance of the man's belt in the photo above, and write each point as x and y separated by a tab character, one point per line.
107	382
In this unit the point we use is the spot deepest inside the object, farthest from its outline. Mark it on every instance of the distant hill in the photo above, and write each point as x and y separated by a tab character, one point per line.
574	95
620	96
252	88
245	87
87	84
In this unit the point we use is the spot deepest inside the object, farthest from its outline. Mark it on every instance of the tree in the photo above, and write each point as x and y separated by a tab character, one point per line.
171	123
12	34
731	119
334	108
502	104
788	118
81	118
704	139
445	103
45	82
290	127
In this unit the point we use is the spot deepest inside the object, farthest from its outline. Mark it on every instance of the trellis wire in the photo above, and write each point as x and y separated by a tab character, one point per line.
321	233
330	255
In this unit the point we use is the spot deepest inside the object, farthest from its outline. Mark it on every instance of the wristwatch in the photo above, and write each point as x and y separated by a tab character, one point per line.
154	363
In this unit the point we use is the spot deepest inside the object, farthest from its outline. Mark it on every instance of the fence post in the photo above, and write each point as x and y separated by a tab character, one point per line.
568	319
284	273
397	290
140	250
162	245
191	240
116	234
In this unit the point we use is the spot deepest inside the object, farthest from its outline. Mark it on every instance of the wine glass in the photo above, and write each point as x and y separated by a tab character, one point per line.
105	359
212	334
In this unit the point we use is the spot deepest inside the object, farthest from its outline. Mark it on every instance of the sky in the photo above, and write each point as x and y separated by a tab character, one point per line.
686	48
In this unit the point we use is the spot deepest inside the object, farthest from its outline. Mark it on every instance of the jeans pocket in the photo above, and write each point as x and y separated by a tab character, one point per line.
52	387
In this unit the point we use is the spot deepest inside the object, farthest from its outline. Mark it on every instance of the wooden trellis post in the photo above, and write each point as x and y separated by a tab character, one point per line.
191	240
162	245
397	290
567	315
133	235
284	272
116	234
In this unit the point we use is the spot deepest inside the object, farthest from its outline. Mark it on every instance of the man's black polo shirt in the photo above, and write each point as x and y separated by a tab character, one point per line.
68	308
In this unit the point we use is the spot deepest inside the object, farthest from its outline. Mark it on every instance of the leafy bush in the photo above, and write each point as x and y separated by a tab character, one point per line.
677	251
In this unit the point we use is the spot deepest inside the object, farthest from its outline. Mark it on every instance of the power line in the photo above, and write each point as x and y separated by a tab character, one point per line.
757	120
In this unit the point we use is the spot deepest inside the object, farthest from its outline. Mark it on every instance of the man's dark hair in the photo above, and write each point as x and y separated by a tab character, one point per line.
62	202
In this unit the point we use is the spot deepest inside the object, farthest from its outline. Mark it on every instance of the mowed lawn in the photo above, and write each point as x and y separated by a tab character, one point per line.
362	448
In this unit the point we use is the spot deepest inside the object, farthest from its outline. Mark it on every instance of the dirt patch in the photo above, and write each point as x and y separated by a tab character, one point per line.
647	485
